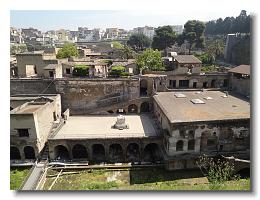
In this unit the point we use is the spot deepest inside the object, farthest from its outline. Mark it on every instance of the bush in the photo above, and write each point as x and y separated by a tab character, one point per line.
117	71
206	58
81	70
217	171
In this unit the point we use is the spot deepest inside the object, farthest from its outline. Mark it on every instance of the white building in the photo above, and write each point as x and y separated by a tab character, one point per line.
147	31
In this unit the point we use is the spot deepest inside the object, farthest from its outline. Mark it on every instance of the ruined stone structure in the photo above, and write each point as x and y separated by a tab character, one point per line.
31	124
94	139
196	123
240	79
189	115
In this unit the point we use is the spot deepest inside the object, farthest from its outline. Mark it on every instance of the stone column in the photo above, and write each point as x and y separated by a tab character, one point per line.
197	145
22	153
106	146
89	149
185	145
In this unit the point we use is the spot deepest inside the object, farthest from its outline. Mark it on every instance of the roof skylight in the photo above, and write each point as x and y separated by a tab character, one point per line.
197	101
179	95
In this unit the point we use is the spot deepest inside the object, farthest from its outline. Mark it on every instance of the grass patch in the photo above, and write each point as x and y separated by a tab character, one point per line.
17	176
140	179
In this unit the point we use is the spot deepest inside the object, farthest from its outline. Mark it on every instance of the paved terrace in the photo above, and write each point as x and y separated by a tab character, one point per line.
217	108
95	127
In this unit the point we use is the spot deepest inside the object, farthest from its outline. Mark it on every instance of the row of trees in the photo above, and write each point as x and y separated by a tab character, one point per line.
240	24
166	37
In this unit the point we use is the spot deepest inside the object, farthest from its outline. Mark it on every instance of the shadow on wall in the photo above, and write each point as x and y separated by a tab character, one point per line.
150	175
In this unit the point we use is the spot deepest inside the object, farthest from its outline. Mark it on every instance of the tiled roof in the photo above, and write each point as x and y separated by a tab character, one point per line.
241	69
186	59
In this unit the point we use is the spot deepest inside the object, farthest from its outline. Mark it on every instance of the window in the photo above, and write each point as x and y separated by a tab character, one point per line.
54	116
191	144
179	145
51	74
210	142
225	83
184	83
67	70
182	133
23	132
205	84
191	134
194	84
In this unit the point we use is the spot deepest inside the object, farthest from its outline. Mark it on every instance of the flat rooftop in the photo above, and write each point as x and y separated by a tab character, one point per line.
92	127
29	108
215	107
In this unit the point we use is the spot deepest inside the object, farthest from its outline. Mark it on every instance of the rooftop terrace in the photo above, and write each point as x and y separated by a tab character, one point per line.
93	127
212	105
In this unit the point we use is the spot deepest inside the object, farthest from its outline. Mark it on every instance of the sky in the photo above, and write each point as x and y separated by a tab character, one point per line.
45	20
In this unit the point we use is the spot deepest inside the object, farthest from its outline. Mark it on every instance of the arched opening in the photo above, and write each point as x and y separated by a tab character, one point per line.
98	152
212	144
116	153
151	153
110	111
213	83
11	108
132	152
79	151
205	85
244	173
179	145
145	107
29	152
191	134
143	87
132	108
61	153
15	153
191	144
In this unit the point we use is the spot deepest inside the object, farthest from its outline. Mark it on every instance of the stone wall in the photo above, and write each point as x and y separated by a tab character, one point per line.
79	94
32	86
241	86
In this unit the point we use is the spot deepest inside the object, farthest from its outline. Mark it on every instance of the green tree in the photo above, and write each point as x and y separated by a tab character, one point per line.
164	37
117	71
117	45
149	59
81	70
139	42
128	52
194	34
240	24
68	50
19	48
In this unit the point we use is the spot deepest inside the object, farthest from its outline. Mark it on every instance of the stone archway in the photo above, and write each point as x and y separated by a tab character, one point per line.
132	152
15	153
29	152
79	151
179	145
143	87
98	152
61	153
145	107
116	153
133	109
191	144
151	153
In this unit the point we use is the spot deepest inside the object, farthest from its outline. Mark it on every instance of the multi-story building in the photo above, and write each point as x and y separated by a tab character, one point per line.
146	30
38	64
177	29
31	121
